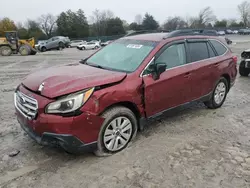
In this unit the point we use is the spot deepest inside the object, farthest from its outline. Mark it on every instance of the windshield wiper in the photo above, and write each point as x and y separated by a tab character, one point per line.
94	65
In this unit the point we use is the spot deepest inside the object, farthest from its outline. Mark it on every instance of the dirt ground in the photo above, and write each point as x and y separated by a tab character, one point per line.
194	147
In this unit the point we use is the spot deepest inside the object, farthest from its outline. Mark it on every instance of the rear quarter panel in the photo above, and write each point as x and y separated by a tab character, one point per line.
227	67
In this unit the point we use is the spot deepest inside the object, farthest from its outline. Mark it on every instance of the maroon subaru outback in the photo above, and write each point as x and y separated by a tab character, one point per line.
99	103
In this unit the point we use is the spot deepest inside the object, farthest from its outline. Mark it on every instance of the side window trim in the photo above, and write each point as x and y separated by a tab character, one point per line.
208	44
221	44
216	53
163	48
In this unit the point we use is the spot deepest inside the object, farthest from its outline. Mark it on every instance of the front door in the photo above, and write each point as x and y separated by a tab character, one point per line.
173	88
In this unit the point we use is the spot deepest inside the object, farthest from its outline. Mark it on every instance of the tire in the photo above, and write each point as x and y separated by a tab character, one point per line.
112	115
33	52
96	47
61	46
212	103
25	50
5	51
243	70
43	49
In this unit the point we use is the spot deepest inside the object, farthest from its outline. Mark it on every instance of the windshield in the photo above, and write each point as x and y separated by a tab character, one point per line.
122	55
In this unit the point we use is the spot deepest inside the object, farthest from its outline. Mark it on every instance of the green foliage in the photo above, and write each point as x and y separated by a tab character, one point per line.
72	24
35	31
114	27
236	24
149	23
222	23
135	26
6	24
23	33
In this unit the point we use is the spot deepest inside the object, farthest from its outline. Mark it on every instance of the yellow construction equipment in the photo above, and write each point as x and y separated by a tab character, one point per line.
11	44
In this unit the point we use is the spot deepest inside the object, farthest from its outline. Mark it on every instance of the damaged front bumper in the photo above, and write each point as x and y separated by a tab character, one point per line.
68	142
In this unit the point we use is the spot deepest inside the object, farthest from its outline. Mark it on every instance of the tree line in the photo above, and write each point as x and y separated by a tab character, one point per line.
105	23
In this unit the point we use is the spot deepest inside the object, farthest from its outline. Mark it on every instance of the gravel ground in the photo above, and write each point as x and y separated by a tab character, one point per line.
194	147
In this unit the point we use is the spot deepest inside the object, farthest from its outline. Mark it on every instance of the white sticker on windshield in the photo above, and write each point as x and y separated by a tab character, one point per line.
136	46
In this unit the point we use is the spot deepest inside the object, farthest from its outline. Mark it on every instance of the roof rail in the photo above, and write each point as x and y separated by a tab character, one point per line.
182	32
144	32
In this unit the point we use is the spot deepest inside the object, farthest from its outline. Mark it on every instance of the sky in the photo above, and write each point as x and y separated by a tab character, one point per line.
21	10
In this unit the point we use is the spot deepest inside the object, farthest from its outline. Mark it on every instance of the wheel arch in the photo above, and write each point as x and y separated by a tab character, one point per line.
130	105
227	77
127	104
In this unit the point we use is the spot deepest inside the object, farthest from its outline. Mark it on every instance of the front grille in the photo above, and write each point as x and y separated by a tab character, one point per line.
28	106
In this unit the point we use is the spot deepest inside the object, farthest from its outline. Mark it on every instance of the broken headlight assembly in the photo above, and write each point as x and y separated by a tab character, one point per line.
69	103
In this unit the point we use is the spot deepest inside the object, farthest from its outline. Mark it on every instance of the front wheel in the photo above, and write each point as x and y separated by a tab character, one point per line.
219	94
118	129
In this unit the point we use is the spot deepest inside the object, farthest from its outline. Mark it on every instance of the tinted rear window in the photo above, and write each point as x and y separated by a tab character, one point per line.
220	49
198	51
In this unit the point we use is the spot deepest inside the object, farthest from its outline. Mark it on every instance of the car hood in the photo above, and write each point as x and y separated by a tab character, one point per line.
65	79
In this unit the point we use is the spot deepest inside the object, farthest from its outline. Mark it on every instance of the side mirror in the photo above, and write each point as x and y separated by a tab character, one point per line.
157	70
161	67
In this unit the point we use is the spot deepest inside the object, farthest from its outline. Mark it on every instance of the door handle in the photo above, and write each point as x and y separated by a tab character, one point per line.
216	64
187	75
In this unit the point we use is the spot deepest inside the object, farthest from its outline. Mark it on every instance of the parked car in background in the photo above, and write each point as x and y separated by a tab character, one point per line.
221	33
101	102
57	42
40	42
235	31
106	43
228	31
244	68
244	31
75	43
89	45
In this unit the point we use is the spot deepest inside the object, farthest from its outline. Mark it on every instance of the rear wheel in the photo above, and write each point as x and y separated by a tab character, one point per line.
219	94
118	128
61	46
243	70
96	47
5	51
25	50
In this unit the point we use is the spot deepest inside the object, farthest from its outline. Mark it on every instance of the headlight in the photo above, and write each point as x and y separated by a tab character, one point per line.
69	103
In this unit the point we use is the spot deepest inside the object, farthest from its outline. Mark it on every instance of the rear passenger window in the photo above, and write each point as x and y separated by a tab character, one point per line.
198	51
220	49
210	50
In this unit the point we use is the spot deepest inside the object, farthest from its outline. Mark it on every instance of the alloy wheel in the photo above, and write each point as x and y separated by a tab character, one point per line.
220	93
117	134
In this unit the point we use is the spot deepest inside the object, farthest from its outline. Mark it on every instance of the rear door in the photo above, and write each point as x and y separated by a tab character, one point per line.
173	87
201	60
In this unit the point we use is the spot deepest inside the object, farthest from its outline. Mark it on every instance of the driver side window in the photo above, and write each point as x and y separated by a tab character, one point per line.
173	56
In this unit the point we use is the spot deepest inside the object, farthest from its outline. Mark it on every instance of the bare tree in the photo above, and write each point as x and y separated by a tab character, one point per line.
173	23
204	18
99	20
244	9
47	23
138	19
